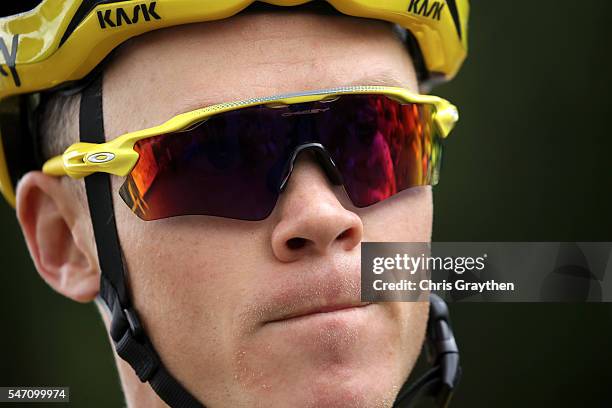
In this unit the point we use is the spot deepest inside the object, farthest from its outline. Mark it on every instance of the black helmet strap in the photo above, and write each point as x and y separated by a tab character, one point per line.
129	337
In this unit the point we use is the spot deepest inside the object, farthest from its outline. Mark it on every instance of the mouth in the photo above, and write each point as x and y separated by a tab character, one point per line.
320	310
325	293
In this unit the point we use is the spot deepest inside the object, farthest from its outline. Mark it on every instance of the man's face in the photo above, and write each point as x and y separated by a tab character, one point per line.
248	314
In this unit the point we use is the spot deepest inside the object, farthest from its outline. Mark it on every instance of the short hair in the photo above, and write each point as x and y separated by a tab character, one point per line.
58	123
58	128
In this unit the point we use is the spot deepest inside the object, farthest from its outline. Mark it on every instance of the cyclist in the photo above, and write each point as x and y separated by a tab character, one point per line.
222	244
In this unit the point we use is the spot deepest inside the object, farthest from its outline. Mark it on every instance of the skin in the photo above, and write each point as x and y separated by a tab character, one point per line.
209	290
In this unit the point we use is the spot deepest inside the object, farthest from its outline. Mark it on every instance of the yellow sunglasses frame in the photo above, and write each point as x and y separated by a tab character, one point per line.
118	156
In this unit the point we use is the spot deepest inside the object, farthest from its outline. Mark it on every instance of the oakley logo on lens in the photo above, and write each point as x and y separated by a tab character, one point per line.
306	112
104	157
121	16
423	8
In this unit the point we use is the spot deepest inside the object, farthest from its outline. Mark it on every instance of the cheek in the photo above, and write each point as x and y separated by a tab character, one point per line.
405	217
187	276
185	257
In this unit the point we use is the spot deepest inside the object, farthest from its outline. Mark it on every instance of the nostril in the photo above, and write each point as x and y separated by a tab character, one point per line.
345	234
296	243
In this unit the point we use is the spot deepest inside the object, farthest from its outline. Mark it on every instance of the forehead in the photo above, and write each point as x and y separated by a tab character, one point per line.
170	71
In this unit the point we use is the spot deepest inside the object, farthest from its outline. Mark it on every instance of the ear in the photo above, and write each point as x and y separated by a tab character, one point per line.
58	234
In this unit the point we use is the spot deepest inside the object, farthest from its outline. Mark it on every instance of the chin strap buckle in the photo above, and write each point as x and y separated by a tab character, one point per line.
442	350
134	323
131	343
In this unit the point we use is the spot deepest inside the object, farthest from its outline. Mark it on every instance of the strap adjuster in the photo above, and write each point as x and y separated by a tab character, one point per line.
123	320
134	322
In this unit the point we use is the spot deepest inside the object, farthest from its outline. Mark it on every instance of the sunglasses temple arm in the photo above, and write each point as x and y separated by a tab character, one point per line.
55	167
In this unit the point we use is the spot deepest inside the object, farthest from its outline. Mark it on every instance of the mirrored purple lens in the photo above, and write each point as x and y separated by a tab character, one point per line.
380	146
232	164
228	166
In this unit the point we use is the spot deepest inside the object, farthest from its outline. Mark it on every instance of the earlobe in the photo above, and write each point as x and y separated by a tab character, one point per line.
54	227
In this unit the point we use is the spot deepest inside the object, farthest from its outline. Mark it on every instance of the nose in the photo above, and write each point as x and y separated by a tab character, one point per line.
311	219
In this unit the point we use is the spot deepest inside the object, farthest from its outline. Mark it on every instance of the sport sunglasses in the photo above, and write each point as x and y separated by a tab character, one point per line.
234	159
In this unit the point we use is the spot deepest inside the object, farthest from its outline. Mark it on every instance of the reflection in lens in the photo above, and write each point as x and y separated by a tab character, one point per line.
232	164
226	167
381	147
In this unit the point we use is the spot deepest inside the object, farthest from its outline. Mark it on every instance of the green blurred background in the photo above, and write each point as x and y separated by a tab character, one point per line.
530	161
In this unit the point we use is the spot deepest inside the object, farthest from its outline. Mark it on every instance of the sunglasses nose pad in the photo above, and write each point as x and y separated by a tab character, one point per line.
323	158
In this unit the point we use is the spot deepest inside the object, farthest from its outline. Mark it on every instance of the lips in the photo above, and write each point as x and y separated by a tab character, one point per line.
315	292
320	310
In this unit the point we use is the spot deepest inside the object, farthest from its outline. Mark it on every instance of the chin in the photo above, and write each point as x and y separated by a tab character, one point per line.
353	359
361	390
352	383
372	385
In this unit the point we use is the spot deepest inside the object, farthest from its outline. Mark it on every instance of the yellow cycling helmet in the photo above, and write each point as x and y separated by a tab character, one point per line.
61	41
